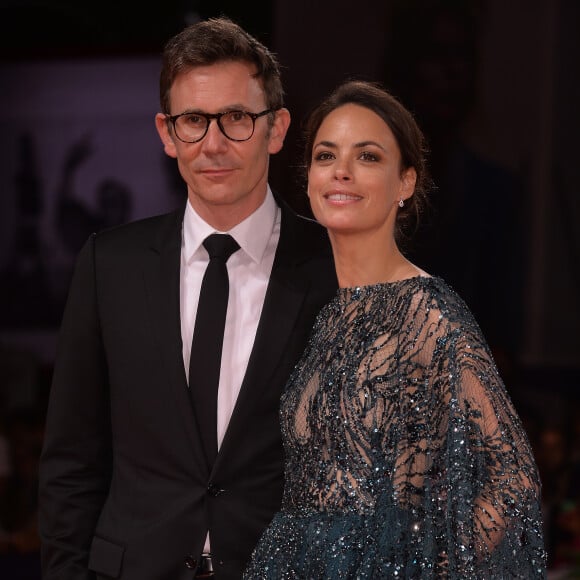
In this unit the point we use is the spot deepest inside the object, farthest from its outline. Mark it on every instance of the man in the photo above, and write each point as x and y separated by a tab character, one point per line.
130	485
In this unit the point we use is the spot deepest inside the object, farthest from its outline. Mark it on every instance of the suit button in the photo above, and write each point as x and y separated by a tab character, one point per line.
214	490
190	562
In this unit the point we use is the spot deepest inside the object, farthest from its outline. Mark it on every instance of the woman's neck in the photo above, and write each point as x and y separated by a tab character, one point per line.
361	262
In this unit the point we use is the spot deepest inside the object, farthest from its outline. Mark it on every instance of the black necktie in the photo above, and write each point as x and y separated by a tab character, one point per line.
208	335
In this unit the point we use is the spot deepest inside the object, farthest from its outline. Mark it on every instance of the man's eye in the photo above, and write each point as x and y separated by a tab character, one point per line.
236	116
194	120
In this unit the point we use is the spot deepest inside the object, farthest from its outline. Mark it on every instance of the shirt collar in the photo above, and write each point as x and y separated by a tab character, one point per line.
252	235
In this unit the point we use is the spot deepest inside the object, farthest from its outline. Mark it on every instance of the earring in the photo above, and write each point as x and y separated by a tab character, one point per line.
401	203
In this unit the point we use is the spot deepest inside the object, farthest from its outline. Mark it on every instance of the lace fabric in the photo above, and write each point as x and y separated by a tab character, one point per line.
405	457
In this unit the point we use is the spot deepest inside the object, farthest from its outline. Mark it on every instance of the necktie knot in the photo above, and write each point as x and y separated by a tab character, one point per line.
220	246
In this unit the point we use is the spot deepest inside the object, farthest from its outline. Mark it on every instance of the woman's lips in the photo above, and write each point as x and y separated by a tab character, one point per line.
341	196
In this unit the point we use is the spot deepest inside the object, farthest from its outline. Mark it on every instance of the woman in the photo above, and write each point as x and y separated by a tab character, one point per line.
404	455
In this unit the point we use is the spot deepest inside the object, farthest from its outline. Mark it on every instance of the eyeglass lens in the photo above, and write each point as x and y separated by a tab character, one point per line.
236	125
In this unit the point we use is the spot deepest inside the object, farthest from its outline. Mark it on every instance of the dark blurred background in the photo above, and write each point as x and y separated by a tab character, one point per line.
494	86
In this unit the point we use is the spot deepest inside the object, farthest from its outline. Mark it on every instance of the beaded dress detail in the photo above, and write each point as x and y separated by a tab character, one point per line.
405	457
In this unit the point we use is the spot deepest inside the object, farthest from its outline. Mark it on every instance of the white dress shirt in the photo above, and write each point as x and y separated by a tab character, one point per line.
249	272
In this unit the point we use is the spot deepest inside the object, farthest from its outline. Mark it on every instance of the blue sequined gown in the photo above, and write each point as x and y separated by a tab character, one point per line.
404	455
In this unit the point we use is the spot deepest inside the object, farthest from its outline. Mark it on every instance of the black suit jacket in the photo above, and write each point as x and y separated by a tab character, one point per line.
125	489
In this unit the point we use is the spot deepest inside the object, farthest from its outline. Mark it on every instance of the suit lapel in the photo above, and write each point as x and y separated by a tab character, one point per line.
284	298
162	276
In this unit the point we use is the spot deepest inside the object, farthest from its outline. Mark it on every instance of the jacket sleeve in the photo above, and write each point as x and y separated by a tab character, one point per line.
75	465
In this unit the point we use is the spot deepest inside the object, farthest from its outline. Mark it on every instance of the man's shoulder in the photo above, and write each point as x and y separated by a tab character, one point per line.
126	243
304	241
141	229
304	235
300	226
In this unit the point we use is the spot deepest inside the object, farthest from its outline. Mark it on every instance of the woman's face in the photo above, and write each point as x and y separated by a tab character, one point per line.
355	181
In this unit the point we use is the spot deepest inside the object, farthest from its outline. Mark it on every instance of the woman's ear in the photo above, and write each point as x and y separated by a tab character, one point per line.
164	133
408	181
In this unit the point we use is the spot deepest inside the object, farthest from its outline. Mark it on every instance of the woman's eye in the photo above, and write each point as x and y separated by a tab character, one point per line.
323	156
368	156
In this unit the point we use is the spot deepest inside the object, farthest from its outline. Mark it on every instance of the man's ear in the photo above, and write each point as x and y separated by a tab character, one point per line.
165	135
278	130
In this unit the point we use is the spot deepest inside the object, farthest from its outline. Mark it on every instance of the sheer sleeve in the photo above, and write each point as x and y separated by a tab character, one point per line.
463	468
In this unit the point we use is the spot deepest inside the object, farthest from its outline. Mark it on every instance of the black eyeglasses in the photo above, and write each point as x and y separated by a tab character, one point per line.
235	125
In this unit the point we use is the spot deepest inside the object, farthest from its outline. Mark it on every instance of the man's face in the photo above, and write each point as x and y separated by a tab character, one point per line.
226	180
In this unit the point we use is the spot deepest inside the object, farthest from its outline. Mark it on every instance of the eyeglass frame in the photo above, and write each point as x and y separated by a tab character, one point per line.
217	116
